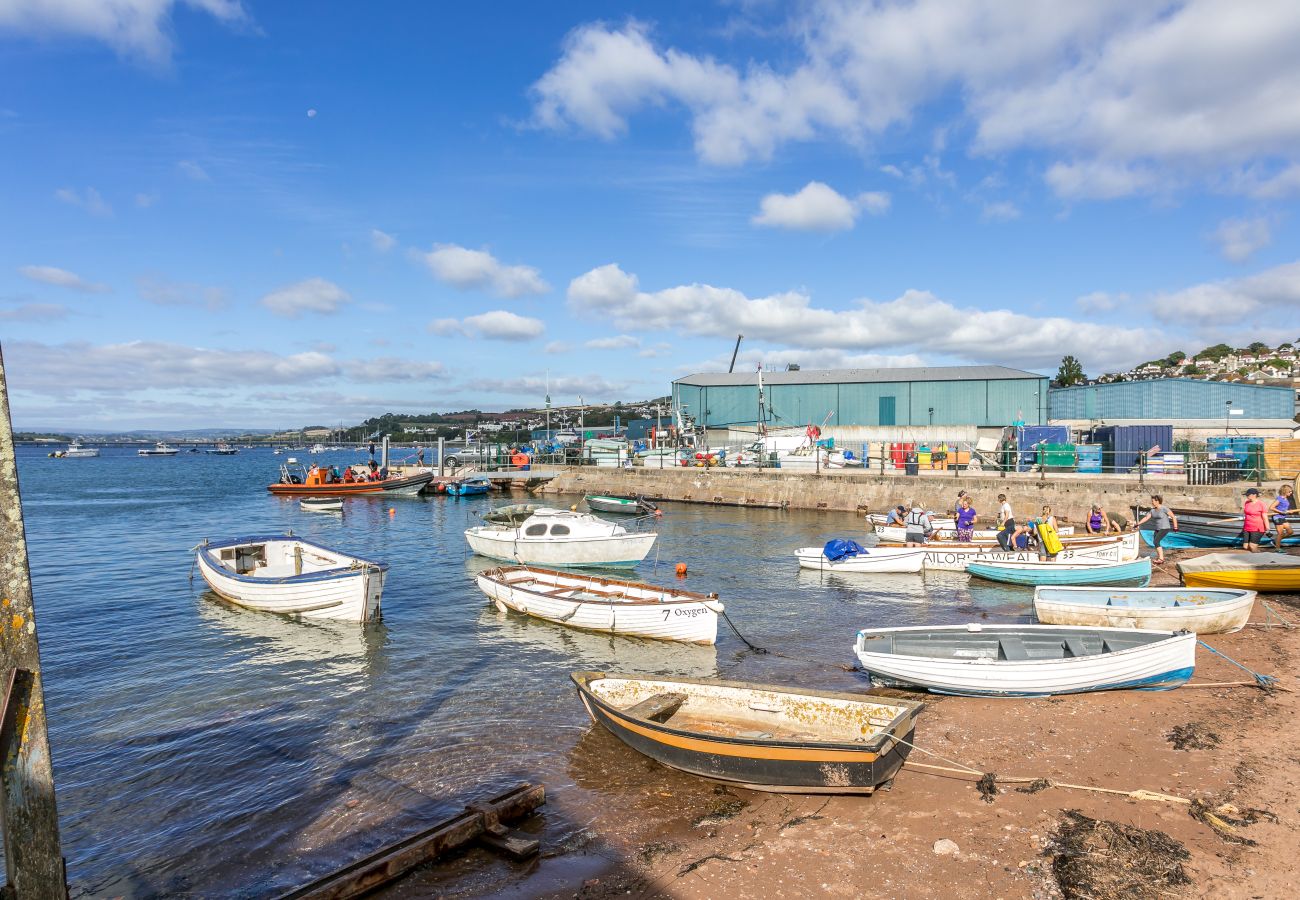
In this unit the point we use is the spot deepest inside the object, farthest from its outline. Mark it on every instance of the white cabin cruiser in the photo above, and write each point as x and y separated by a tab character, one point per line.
558	537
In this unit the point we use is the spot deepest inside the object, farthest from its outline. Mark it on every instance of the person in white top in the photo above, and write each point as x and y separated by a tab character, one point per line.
1005	514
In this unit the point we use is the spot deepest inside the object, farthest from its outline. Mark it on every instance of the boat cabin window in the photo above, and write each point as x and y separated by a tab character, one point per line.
559	529
535	530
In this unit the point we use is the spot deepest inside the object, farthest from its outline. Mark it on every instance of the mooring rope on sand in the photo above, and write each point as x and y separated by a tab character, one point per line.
1267	682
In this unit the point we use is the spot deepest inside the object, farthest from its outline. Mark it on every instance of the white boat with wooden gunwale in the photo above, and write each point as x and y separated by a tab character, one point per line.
1025	660
282	573
610	605
938	521
870	559
1163	609
762	737
896	533
560	537
953	557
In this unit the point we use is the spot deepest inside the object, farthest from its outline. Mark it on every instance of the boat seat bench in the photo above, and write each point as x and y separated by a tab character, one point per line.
1011	647
659	708
1075	647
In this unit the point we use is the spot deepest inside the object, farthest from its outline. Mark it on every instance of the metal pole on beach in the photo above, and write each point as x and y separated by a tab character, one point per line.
33	857
442	454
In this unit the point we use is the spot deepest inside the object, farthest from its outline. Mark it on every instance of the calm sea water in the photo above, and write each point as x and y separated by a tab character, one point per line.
204	749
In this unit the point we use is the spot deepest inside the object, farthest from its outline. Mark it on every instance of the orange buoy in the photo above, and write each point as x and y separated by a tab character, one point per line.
659	513
681	570
392	511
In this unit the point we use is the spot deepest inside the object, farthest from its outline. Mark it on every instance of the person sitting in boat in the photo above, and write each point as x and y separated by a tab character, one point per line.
966	519
348	477
897	516
918	525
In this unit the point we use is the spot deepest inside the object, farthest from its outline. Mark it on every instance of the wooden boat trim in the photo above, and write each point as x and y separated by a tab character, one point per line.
342	571
677	596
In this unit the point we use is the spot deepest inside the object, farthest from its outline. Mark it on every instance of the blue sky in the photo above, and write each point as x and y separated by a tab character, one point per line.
219	212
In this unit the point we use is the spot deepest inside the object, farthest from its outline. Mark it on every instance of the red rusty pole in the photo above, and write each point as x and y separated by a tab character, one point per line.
33	858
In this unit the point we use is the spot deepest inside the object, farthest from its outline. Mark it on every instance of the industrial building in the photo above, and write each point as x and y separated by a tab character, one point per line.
943	400
1195	409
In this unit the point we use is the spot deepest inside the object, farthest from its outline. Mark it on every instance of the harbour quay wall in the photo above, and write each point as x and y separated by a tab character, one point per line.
1070	495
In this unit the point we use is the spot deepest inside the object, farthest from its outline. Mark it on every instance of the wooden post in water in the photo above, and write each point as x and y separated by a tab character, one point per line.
33	858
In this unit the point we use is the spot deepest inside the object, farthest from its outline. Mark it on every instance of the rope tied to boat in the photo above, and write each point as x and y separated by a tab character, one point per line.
727	618
1265	682
1269	615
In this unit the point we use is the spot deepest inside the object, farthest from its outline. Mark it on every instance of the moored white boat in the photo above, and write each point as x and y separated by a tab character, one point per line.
158	449
937	522
979	536
321	504
558	537
1163	609
943	556
610	605
1025	660
871	559
282	573
1071	572
76	451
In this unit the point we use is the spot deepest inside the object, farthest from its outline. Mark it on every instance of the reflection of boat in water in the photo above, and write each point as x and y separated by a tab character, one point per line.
330	648
572	648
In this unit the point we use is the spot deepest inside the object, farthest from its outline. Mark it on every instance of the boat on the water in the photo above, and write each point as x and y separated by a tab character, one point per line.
954	557
1025	660
559	537
321	504
938	521
221	449
862	559
611	605
76	451
158	449
282	573
469	486
1161	609
762	737
1279	572
897	533
1073	572
614	503
511	514
297	480
1206	529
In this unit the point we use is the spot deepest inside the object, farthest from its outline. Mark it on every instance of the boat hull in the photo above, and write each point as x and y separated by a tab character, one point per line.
1154	609
410	485
689	620
766	765
1057	573
619	551
956	557
1161	665
614	505
349	594
1285	581
881	560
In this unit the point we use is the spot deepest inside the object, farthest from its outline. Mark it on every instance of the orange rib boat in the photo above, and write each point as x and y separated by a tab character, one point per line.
297	480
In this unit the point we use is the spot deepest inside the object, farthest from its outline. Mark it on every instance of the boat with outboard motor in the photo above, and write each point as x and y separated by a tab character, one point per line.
282	573
561	537
297	480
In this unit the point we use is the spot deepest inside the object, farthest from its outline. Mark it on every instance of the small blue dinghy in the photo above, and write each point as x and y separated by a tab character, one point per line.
1063	573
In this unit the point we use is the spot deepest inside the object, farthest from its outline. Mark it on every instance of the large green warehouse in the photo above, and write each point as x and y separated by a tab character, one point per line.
980	396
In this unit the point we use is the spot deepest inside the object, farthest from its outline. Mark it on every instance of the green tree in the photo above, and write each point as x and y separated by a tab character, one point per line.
1218	351
1071	372
1257	347
1175	358
1193	370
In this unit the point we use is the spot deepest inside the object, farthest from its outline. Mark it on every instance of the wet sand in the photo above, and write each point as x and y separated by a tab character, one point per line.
666	834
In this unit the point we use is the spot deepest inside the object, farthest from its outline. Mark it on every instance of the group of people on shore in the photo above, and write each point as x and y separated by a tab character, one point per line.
1258	518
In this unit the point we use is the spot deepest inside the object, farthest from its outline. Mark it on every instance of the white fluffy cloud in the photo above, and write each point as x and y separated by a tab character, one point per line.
818	207
1238	239
1127	96
138	29
916	320
1270	299
62	278
90	200
312	295
497	325
479	270
382	241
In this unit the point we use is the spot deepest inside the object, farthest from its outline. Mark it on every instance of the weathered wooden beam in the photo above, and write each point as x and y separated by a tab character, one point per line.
387	864
33	856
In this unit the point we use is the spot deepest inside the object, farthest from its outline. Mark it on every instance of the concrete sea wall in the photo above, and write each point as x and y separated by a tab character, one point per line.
1070	496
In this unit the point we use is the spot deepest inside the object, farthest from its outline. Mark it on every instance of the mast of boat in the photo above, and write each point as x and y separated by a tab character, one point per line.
548	405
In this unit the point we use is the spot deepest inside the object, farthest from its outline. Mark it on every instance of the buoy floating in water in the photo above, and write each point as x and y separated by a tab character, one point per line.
392	511
681	570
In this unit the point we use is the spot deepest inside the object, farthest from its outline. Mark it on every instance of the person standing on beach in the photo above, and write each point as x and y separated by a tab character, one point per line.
1162	522
1279	510
966	519
1255	520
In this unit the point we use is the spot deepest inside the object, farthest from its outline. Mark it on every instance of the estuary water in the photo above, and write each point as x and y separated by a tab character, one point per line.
205	750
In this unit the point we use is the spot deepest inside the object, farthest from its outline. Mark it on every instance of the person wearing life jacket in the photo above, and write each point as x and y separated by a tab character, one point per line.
348	477
918	526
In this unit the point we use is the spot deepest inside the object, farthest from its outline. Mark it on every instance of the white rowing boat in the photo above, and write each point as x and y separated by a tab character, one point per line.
1163	609
611	605
285	574
870	559
896	533
954	557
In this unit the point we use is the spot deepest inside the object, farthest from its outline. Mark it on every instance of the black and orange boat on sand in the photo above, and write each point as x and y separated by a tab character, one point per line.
763	737
297	480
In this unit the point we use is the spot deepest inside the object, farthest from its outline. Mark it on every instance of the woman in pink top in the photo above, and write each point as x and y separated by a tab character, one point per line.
1255	525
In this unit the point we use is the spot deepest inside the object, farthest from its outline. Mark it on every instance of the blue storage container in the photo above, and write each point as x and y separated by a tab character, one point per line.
1125	442
1089	457
1028	436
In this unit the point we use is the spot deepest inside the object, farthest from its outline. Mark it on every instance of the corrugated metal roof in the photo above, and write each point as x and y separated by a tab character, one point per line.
843	376
1236	423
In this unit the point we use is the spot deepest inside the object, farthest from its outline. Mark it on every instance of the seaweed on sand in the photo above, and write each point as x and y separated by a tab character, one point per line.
1093	859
